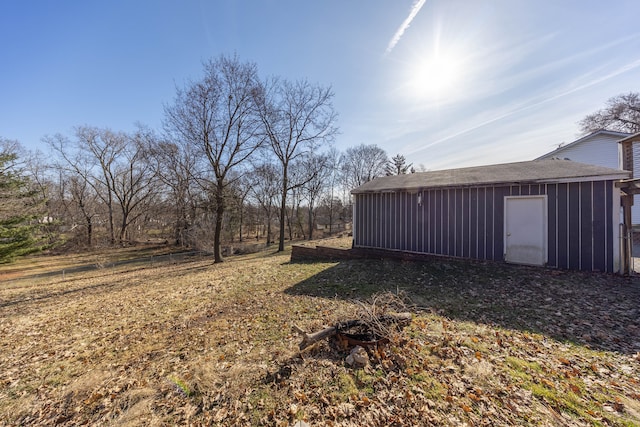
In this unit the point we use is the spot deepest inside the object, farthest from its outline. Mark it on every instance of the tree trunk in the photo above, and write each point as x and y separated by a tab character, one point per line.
123	229
112	232
283	208
269	237
289	221
331	213
89	230
310	221
241	219
218	230
299	224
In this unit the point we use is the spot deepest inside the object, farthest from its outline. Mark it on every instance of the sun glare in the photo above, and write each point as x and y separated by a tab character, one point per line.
436	77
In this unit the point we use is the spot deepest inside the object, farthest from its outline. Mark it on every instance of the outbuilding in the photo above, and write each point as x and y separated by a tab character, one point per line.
555	213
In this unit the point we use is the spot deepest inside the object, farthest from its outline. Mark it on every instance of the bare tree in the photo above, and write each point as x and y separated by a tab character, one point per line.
116	167
318	166
93	155
265	189
299	175
621	113
296	117
216	116
333	179
239	194
133	180
175	167
362	163
85	201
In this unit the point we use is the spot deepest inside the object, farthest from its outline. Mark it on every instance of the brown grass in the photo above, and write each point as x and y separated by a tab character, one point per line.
203	343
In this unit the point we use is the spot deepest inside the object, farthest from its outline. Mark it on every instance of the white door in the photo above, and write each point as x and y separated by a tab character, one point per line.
525	229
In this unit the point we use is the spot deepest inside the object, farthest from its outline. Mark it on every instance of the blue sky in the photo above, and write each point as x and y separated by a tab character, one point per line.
447	83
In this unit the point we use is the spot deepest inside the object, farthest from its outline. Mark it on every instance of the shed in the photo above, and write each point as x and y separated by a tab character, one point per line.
556	213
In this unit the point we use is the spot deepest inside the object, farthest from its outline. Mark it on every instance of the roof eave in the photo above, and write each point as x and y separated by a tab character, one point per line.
633	138
612	177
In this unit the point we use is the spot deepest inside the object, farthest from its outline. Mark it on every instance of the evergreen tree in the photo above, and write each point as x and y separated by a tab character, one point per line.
398	166
19	226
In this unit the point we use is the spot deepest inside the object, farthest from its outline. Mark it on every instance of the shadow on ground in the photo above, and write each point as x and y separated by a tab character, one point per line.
597	310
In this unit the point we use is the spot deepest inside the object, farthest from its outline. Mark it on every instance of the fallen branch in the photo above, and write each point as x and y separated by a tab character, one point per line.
312	338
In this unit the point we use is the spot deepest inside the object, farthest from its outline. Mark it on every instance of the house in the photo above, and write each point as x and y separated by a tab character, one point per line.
600	148
557	213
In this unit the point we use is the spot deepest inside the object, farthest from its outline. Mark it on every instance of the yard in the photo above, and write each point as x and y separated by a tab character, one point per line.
185	341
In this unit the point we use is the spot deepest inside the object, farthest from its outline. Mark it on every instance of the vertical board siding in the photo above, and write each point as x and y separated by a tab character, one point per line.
563	226
473	223
609	220
599	227
586	227
469	222
466	218
438	223
482	224
574	225
498	221
490	209
552	224
432	224
458	230
448	216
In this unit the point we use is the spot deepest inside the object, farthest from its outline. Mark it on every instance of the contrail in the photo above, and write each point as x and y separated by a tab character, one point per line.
415	8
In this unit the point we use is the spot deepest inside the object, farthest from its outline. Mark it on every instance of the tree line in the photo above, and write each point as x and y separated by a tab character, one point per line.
237	158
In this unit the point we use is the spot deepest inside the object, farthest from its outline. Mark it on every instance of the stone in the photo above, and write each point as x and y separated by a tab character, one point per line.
358	357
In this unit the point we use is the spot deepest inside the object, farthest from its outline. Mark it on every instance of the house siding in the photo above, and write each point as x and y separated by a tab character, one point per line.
469	222
601	149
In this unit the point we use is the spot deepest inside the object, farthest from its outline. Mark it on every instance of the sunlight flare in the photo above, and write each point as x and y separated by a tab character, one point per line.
438	76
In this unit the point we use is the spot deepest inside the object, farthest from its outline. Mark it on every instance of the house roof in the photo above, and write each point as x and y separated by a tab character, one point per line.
557	151
633	138
532	172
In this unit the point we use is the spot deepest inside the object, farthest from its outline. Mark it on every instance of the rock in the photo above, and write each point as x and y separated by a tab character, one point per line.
358	357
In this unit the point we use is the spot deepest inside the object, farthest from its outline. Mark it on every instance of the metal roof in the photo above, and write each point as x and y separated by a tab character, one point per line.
536	171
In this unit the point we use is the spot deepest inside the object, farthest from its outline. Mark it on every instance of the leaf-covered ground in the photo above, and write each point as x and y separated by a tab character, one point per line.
193	342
